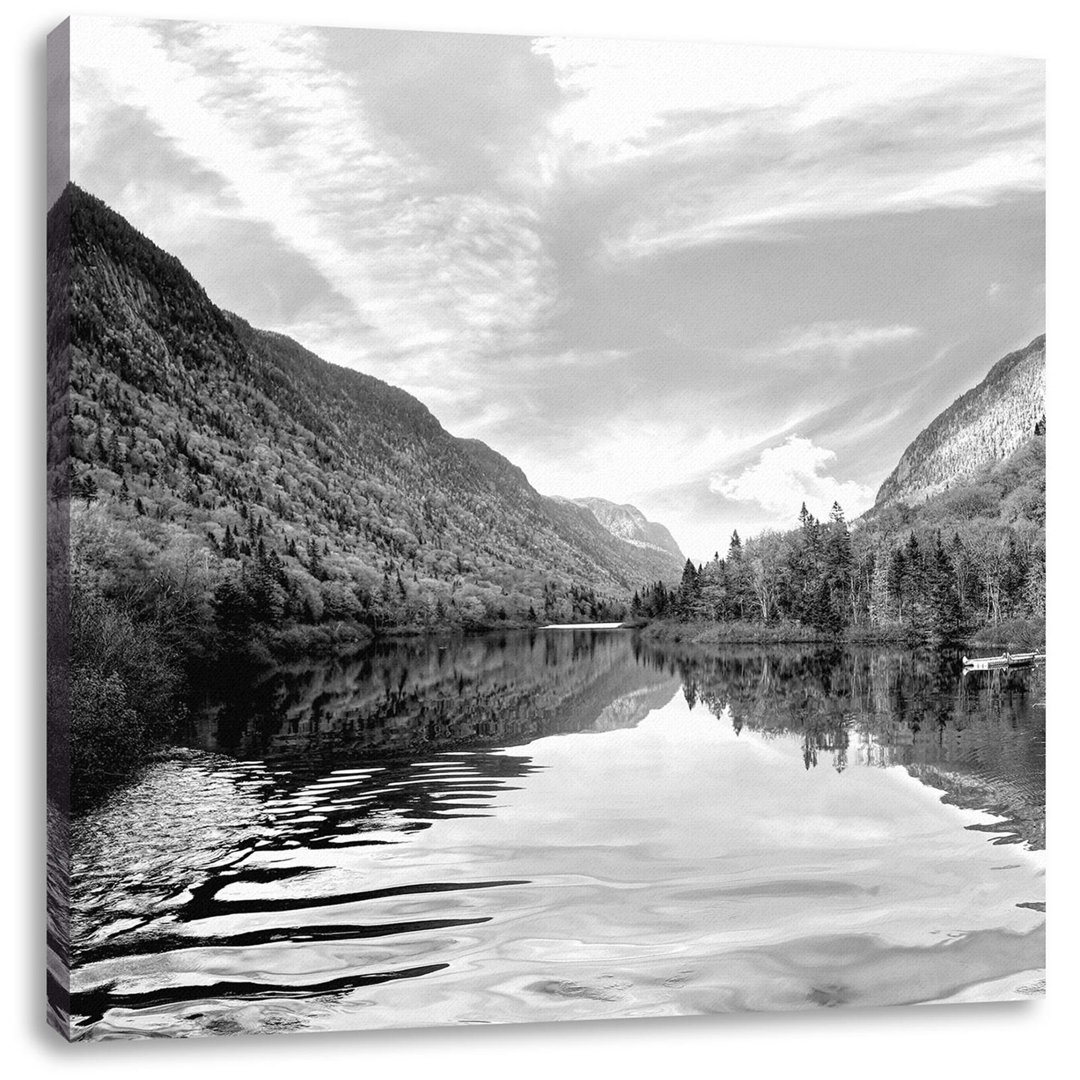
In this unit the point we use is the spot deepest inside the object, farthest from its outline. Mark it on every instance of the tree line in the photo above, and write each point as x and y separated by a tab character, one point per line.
926	583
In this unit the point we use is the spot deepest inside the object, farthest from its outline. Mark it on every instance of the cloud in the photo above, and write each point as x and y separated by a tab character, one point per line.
786	476
844	339
692	144
334	173
473	106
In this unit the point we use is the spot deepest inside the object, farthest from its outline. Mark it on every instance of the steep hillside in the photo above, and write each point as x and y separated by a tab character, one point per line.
986	424
191	431
1009	493
630	524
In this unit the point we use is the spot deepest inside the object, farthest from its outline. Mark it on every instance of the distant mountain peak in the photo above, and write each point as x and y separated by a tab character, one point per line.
985	424
628	523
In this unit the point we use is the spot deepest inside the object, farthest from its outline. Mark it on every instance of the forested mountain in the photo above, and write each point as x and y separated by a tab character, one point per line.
986	424
193	432
218	493
630	524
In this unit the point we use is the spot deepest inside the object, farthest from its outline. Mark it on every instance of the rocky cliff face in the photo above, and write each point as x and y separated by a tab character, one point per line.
986	424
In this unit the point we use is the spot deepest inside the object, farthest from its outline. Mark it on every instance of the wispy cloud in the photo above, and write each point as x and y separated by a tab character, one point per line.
704	149
844	339
298	149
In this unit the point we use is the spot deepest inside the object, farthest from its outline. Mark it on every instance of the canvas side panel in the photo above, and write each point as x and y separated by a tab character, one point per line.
58	689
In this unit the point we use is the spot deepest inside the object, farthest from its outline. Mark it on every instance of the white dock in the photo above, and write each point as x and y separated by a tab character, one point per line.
583	626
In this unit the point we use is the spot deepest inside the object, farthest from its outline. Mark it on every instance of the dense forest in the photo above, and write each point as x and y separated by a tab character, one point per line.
970	561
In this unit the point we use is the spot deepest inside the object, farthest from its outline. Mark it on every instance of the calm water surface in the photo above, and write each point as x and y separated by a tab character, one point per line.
570	825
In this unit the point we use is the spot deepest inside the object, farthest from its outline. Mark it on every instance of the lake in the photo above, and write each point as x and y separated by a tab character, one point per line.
567	824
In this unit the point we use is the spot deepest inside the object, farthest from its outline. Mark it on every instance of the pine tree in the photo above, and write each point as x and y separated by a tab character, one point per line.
315	567
689	588
112	454
229	548
737	579
917	598
945	616
839	564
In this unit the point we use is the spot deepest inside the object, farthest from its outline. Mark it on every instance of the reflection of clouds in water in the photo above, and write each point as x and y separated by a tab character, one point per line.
641	852
979	737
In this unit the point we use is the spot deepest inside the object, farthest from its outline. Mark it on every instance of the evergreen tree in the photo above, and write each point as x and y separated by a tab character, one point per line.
229	548
946	619
689	588
315	566
917	601
838	568
737	579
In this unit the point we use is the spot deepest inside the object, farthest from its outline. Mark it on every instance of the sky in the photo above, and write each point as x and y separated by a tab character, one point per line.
714	281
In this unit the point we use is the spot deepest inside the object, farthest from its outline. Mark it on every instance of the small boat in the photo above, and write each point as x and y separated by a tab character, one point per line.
1006	660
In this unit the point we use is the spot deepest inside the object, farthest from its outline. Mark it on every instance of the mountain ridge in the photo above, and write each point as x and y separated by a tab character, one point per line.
187	423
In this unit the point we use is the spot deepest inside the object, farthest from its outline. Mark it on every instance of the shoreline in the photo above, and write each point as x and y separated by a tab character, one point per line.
713	633
323	641
298	644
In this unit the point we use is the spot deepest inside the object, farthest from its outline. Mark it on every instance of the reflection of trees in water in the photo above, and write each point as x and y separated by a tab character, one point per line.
979	737
462	692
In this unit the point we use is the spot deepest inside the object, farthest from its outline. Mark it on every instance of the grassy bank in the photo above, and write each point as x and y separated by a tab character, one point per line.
749	633
1010	634
1015	634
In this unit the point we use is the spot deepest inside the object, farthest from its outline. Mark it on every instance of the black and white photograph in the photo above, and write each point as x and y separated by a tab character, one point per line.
539	528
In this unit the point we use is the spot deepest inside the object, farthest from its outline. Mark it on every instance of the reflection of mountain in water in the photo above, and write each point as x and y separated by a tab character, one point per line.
466	692
979	737
211	853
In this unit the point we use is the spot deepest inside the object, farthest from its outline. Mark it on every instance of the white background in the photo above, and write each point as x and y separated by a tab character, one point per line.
982	1041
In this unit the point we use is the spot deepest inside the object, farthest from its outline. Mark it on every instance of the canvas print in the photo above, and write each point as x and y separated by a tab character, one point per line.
539	528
